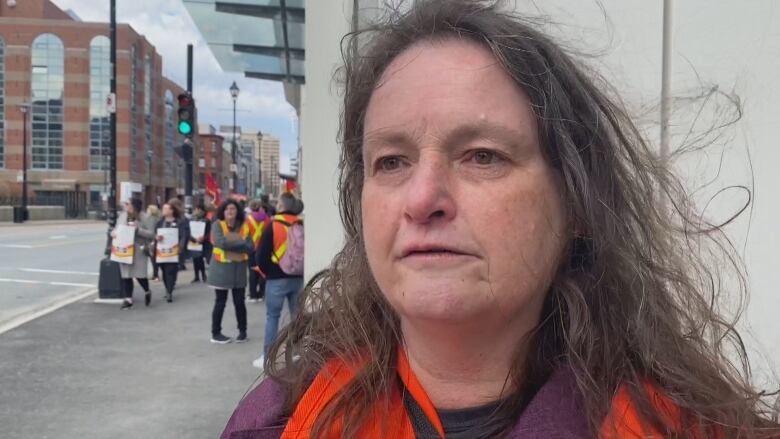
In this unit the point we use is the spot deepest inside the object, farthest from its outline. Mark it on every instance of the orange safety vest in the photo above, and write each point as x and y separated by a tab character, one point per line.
226	257
255	230
392	420
280	235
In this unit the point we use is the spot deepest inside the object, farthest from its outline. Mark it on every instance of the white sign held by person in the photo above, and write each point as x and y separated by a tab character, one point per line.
123	245
168	248
197	230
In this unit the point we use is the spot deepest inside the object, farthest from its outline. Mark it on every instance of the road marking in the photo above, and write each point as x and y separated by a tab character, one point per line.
20	320
40	270
21	281
15	246
38	282
71	284
58	237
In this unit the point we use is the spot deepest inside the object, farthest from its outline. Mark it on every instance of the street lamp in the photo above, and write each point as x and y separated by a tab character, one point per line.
23	108
234	94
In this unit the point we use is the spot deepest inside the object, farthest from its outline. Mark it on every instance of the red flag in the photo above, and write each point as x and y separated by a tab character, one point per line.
213	190
291	185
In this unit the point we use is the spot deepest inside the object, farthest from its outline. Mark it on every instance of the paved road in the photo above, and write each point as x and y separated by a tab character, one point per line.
43	263
92	371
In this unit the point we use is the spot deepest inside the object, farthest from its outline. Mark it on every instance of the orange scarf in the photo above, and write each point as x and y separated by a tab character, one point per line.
392	421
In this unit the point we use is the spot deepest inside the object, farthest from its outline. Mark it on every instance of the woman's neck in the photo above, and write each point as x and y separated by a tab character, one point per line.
170	219
460	366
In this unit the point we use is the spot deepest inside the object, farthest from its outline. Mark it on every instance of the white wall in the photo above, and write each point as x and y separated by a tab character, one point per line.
736	46
326	23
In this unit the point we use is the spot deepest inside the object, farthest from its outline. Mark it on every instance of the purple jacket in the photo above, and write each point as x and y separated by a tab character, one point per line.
555	412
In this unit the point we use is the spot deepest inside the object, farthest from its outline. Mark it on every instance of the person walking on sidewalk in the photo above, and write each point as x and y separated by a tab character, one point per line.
172	218
133	215
198	263
258	222
280	257
228	270
153	216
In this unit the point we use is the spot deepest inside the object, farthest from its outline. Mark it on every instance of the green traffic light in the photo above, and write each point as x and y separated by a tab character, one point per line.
185	127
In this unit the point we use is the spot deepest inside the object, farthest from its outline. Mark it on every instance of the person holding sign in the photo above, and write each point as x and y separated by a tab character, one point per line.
134	260
228	271
199	243
171	241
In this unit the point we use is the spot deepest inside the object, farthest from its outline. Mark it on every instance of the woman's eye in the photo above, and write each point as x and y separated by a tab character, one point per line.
388	164
484	157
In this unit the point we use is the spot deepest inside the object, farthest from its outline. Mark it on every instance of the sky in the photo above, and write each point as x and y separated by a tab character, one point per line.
168	26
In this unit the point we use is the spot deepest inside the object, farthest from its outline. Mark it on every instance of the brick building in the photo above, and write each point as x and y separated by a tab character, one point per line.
58	68
210	158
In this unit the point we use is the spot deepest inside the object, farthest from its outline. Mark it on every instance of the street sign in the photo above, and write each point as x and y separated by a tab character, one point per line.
202	163
234	168
19	177
111	103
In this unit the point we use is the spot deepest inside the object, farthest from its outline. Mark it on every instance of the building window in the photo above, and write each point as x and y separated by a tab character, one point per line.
48	85
99	87
213	147
2	103
213	162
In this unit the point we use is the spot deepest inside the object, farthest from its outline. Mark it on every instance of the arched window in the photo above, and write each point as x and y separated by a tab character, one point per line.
2	103
99	88
48	86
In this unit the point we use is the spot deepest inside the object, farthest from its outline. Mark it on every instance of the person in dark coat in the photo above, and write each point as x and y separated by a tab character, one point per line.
198	262
172	218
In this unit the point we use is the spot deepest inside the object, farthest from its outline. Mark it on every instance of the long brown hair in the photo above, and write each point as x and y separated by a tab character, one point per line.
638	300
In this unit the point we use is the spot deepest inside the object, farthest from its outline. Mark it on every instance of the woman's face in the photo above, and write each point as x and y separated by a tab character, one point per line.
463	218
167	210
230	212
129	207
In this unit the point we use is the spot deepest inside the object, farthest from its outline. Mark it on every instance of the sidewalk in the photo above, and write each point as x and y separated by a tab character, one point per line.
92	371
51	222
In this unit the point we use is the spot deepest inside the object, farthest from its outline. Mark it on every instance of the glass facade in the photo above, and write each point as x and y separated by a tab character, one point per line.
48	85
99	88
2	103
148	117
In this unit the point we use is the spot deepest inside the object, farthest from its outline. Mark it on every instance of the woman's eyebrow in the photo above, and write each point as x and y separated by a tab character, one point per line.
461	133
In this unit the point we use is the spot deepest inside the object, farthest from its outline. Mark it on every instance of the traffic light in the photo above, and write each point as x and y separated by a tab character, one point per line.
186	114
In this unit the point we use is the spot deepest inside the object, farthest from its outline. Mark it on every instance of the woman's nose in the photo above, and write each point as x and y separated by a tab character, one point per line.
429	192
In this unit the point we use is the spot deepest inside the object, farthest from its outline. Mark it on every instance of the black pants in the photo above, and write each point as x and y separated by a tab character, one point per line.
256	285
200	267
219	310
170	272
155	268
127	286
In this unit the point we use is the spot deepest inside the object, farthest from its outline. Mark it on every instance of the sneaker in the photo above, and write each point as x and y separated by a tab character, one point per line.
196	280
241	337
253	300
220	339
126	305
259	363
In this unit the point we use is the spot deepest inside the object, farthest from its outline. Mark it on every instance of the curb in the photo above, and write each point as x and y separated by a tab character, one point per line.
33	314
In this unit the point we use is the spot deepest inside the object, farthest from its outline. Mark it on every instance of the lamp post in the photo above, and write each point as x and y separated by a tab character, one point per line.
234	94
24	107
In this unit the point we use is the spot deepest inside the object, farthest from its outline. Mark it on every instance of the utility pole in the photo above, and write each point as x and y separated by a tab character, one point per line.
112	214
189	154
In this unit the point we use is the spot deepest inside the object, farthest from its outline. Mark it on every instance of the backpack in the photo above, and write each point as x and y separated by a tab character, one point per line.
292	260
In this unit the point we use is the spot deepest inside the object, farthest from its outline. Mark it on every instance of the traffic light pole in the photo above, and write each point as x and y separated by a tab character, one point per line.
188	159
112	214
